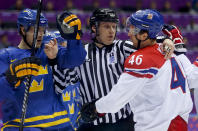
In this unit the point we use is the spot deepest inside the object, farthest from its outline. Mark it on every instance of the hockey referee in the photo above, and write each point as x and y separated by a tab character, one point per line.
101	70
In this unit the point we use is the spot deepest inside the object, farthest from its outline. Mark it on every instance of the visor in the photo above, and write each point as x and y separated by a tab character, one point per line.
128	29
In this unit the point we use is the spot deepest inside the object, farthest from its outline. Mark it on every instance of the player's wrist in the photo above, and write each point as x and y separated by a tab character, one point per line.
52	62
100	114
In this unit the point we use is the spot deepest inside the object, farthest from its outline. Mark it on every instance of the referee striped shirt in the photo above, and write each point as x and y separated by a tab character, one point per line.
100	71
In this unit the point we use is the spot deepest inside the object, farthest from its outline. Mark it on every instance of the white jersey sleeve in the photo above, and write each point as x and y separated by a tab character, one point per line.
191	71
123	92
196	99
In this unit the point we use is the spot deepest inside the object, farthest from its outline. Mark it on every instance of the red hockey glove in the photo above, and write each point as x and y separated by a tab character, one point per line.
175	35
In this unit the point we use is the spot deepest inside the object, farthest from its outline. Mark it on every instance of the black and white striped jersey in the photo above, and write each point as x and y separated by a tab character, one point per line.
100	71
63	78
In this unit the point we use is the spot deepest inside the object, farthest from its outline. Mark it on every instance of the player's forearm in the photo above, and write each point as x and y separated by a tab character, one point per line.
71	56
193	79
122	93
107	105
191	71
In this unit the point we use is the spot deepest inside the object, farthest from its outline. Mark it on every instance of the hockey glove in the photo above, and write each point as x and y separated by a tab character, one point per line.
175	34
89	112
22	68
69	26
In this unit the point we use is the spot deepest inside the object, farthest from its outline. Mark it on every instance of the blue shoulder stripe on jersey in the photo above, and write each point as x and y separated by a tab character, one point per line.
151	70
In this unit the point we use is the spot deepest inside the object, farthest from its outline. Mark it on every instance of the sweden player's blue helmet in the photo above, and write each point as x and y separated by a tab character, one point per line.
51	35
148	20
27	18
58	37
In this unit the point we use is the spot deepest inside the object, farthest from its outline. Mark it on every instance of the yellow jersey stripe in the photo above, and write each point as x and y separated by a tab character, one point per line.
8	126
37	118
54	123
43	125
27	65
12	73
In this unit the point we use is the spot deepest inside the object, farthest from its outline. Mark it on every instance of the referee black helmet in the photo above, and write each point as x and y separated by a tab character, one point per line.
103	15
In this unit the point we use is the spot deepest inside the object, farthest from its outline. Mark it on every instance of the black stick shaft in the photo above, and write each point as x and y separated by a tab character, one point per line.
36	28
25	102
27	88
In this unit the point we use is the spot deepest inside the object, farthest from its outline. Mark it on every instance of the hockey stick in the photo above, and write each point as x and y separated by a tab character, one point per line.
28	83
36	28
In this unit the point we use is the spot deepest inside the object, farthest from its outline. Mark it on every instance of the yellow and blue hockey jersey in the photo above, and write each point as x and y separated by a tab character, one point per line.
45	109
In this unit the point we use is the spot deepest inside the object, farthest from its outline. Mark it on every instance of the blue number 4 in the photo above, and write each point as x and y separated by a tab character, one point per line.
178	79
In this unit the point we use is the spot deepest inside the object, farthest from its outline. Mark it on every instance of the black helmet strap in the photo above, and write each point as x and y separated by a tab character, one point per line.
25	40
139	41
25	36
97	34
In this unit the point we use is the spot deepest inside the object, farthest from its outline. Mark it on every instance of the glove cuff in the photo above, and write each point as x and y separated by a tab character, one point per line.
101	114
53	62
12	80
181	47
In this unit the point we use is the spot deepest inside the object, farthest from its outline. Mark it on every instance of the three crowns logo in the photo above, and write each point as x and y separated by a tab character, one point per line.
71	108
66	96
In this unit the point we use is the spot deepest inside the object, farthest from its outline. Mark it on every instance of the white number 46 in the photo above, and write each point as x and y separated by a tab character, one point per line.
137	60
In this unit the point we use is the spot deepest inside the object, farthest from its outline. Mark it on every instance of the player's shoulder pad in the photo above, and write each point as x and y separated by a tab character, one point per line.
145	62
9	50
7	53
3	51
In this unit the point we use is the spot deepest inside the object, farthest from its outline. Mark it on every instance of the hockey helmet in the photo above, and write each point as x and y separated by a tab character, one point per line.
51	35
103	14
148	20
27	18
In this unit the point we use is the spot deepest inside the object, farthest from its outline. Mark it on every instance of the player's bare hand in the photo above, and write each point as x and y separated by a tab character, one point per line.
51	49
168	48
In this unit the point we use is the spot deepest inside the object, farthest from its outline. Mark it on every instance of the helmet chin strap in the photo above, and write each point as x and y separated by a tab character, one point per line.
139	41
25	40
